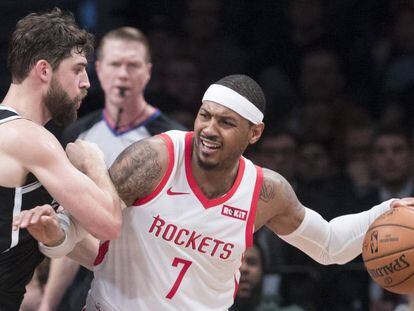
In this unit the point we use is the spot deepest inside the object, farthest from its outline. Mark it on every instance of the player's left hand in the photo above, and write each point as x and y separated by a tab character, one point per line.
42	223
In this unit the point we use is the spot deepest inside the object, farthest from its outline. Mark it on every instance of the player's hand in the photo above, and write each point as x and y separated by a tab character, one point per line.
404	202
84	155
42	223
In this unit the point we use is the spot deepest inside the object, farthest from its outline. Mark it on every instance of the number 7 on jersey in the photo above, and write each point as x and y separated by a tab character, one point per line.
186	265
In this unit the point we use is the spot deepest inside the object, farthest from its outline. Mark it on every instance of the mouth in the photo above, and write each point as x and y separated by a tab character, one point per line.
121	91
208	146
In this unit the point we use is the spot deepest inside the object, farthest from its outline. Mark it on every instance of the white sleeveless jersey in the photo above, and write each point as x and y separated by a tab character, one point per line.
178	250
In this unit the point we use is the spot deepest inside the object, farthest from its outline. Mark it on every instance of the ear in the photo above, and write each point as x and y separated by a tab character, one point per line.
43	70
256	131
149	66
97	67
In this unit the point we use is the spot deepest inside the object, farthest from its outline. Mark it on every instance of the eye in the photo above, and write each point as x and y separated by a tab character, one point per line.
115	64
228	123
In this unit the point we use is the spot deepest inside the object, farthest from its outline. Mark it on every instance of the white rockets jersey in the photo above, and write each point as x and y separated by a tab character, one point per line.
178	250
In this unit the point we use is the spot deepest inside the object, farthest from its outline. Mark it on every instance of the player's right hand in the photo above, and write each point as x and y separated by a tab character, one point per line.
84	155
42	223
404	202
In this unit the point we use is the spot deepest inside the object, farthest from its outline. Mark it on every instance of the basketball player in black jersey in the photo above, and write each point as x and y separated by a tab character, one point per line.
47	60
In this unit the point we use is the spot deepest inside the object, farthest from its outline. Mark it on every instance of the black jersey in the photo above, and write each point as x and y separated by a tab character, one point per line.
19	254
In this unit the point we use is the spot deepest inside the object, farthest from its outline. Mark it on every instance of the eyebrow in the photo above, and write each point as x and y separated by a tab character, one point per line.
81	64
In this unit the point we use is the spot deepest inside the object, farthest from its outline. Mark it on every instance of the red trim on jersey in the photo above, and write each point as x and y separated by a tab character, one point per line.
207	203
157	190
252	214
236	288
103	249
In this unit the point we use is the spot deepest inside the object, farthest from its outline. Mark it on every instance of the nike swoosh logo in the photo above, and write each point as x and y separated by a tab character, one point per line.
170	192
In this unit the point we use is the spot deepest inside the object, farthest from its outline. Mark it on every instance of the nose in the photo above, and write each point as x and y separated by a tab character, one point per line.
122	71
209	128
243	267
84	81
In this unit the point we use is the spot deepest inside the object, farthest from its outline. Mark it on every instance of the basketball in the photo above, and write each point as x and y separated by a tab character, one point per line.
388	250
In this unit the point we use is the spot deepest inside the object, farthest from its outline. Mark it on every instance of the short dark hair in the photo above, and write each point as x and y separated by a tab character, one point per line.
51	36
393	130
125	34
246	87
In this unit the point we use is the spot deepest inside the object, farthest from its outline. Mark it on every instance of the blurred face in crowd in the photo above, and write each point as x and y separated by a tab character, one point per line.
278	153
305	14
358	143
251	273
314	163
321	78
403	30
123	64
183	81
391	159
202	21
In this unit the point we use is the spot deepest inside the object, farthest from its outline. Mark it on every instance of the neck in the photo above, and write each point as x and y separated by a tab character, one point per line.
128	114
27	99
214	183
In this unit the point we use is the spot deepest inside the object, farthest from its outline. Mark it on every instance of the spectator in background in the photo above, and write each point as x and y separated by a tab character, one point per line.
250	296
183	81
123	67
394	53
392	160
218	55
357	160
327	109
35	289
278	151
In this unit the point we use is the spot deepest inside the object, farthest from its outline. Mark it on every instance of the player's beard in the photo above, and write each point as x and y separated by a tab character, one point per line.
62	108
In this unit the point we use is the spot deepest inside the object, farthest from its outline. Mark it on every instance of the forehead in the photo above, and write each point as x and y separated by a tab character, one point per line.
220	110
74	59
118	48
252	253
390	140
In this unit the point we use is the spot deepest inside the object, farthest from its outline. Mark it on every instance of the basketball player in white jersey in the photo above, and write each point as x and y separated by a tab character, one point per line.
194	204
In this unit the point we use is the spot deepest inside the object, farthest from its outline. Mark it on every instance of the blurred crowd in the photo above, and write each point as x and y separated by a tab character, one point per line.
339	81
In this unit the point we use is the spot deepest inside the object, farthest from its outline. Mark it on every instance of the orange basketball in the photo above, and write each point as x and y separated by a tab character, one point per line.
388	250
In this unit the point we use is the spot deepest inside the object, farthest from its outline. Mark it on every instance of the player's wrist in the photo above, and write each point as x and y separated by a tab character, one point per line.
56	241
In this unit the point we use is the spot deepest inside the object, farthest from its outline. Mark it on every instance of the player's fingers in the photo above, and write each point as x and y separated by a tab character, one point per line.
16	222
405	202
38	211
26	216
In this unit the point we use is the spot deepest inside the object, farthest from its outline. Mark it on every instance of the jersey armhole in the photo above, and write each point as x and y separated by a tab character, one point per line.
161	185
252	214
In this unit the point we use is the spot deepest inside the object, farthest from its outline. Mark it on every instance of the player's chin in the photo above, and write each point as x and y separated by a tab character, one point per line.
244	290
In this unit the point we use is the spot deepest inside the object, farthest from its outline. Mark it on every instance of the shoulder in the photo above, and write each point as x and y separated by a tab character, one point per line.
162	123
72	132
139	168
29	141
277	198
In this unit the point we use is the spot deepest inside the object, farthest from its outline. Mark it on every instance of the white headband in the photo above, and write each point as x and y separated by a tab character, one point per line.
227	97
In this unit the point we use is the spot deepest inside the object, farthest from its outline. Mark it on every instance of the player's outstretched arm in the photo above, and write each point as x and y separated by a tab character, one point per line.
337	241
93	200
139	169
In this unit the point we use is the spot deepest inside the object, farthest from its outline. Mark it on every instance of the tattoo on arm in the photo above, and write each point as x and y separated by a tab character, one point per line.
267	192
136	171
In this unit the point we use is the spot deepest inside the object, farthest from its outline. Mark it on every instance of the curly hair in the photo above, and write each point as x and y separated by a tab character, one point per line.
51	36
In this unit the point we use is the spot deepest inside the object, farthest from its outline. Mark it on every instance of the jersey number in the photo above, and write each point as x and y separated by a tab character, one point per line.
186	265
